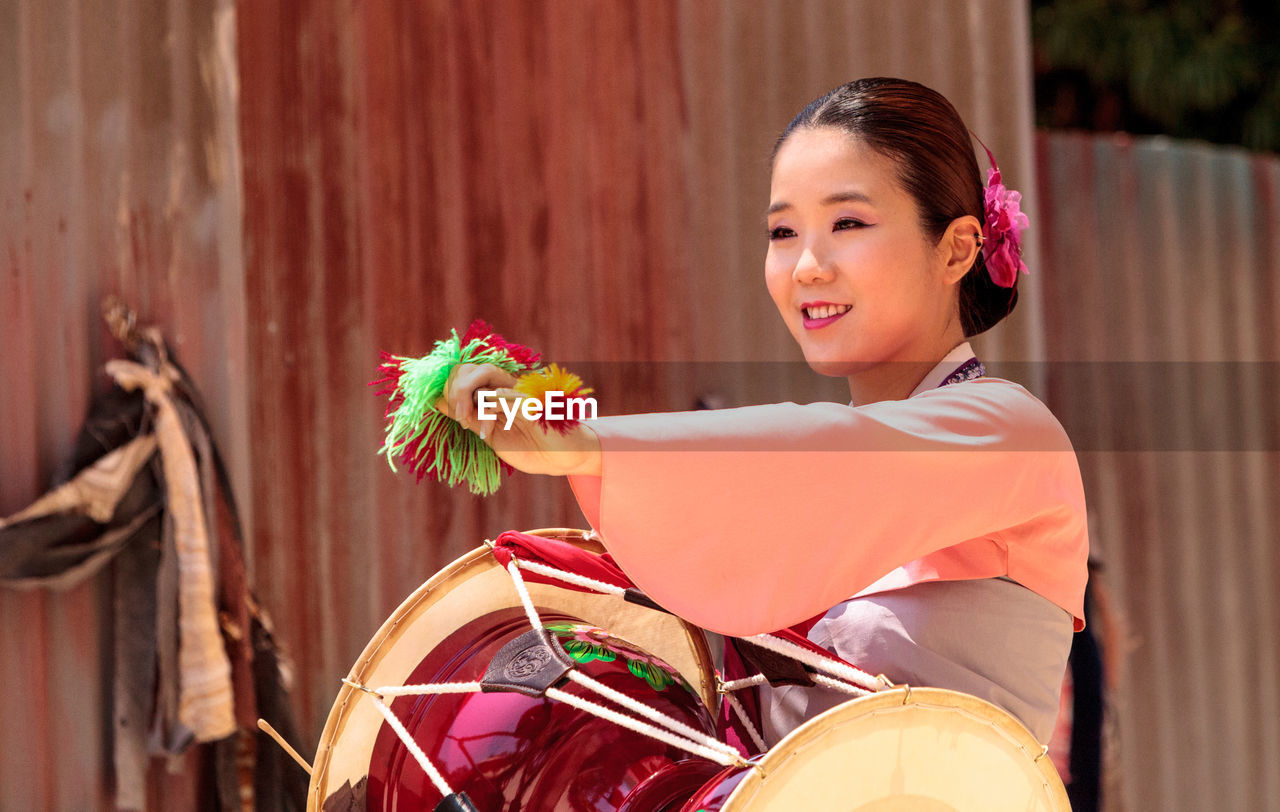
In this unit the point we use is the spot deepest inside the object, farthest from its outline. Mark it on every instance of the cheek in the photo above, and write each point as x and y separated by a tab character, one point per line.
887	267
870	252
777	278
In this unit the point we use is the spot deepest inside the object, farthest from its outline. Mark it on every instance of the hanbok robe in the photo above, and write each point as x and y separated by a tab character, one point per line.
889	519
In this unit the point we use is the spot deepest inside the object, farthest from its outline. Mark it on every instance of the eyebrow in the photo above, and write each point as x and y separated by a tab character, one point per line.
838	197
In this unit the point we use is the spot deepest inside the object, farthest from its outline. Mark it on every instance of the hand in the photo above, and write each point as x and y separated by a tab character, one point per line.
526	446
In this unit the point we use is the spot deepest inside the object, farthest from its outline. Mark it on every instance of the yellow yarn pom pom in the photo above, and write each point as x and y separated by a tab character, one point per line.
551	378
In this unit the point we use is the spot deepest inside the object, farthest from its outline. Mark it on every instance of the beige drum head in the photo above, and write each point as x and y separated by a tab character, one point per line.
471	587
918	749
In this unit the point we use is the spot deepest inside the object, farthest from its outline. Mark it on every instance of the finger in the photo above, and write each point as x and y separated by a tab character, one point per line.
467	379
459	392
470	380
479	377
442	405
527	431
493	425
462	402
482	423
492	418
462	388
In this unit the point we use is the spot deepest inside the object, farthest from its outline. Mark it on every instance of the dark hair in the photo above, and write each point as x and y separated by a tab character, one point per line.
923	134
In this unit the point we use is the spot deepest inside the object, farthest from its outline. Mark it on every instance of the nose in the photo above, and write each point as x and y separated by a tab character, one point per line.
809	268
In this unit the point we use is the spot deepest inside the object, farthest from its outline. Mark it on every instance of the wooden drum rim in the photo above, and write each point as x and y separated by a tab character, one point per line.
983	714
419	601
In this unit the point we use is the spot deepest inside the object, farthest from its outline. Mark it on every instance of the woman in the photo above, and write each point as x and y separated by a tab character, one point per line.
937	522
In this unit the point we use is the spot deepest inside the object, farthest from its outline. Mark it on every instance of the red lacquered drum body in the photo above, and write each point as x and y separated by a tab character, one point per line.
922	748
508	751
714	794
668	789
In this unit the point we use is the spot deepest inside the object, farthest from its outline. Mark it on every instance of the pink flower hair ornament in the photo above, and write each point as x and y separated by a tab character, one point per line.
1002	231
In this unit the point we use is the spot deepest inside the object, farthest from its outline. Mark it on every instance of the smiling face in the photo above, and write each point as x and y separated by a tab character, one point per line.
857	280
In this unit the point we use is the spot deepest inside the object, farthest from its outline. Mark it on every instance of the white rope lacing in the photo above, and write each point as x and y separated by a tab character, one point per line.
837	675
821	679
692	741
572	578
431	688
647	729
855	681
728	687
741	713
817	662
517	580
634	705
840	685
745	682
418	755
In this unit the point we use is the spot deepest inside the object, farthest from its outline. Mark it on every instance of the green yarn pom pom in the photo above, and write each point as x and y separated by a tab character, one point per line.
428	442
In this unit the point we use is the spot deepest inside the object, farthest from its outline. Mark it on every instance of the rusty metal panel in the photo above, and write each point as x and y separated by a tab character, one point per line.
1161	266
588	176
591	177
117	175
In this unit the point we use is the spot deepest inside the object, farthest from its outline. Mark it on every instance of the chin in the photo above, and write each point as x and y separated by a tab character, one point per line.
834	369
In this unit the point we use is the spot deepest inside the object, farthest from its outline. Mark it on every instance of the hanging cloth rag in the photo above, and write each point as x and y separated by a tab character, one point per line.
195	660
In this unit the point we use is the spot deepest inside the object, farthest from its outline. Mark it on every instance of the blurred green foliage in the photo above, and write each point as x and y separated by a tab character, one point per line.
1189	68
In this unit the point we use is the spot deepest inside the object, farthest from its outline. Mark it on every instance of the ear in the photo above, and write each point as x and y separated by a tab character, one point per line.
959	247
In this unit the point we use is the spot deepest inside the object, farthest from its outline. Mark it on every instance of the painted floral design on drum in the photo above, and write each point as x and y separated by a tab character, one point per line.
586	643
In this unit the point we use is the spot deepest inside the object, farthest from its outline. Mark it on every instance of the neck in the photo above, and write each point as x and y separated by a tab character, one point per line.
891	381
895	380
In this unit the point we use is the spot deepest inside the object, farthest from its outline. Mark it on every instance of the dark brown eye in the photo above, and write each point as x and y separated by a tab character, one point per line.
846	223
780	233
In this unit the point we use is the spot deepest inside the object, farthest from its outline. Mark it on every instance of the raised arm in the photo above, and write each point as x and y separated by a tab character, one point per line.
748	520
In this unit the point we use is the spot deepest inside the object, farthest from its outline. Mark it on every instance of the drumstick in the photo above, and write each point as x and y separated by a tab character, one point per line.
266	727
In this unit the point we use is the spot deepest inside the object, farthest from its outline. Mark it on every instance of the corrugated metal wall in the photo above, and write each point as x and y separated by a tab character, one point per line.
590	177
1162	290
118	174
585	175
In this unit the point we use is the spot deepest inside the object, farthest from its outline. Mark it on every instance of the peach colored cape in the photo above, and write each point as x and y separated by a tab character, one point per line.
749	520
